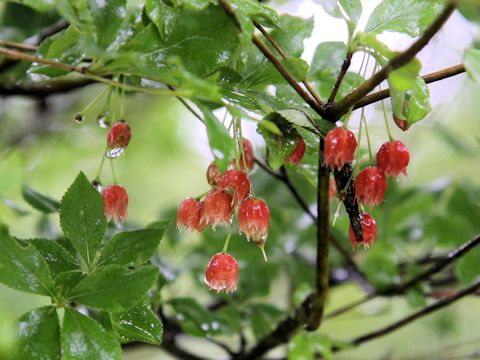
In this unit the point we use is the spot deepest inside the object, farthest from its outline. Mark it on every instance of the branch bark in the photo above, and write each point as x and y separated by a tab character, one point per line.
429	78
340	108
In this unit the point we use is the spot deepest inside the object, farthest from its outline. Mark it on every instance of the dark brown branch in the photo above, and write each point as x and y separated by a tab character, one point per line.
18	46
419	314
282	53
429	78
323	241
341	75
43	89
401	288
398	61
275	62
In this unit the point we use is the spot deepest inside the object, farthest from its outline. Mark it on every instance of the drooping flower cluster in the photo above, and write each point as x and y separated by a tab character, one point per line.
230	190
371	183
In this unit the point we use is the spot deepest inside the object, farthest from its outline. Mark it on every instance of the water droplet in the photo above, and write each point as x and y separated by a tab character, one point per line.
79	117
114	152
215	325
205	327
97	185
103	121
180	317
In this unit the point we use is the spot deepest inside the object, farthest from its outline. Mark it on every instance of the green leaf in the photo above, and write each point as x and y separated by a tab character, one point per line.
411	105
67	280
138	323
38	335
306	346
39	5
248	10
84	338
290	33
219	139
471	59
327	60
82	218
467	268
410	17
114	287
297	118
263	318
193	318
63	47
353	8
107	19
38	201
203	40
133	247
57	258
23	268
280	147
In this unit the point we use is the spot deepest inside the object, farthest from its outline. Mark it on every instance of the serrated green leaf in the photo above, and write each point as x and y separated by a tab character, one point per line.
82	218
67	280
290	33
107	19
84	338
467	268
203	40
57	258
114	287
471	59
297	118
138	323
409	17
38	201
219	139
38	335
133	247
23	268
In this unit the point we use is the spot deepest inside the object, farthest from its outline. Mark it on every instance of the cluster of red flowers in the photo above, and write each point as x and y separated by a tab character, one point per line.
115	197
230	192
370	184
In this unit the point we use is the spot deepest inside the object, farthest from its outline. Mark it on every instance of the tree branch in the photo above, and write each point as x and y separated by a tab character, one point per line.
285	56
429	78
44	88
398	61
401	288
343	71
419	314
275	62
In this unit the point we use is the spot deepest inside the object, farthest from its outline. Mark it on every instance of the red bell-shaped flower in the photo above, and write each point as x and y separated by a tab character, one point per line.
297	154
190	215
236	181
370	186
218	208
115	202
213	174
119	135
340	146
253	220
222	273
369	228
393	158
249	155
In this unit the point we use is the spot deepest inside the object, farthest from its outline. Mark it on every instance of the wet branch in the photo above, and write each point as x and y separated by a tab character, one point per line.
415	316
340	108
425	275
343	71
429	78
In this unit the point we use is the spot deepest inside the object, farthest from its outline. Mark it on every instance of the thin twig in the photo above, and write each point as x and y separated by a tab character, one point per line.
341	75
18	46
284	55
398	61
429	78
401	288
44	88
423	312
16	55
